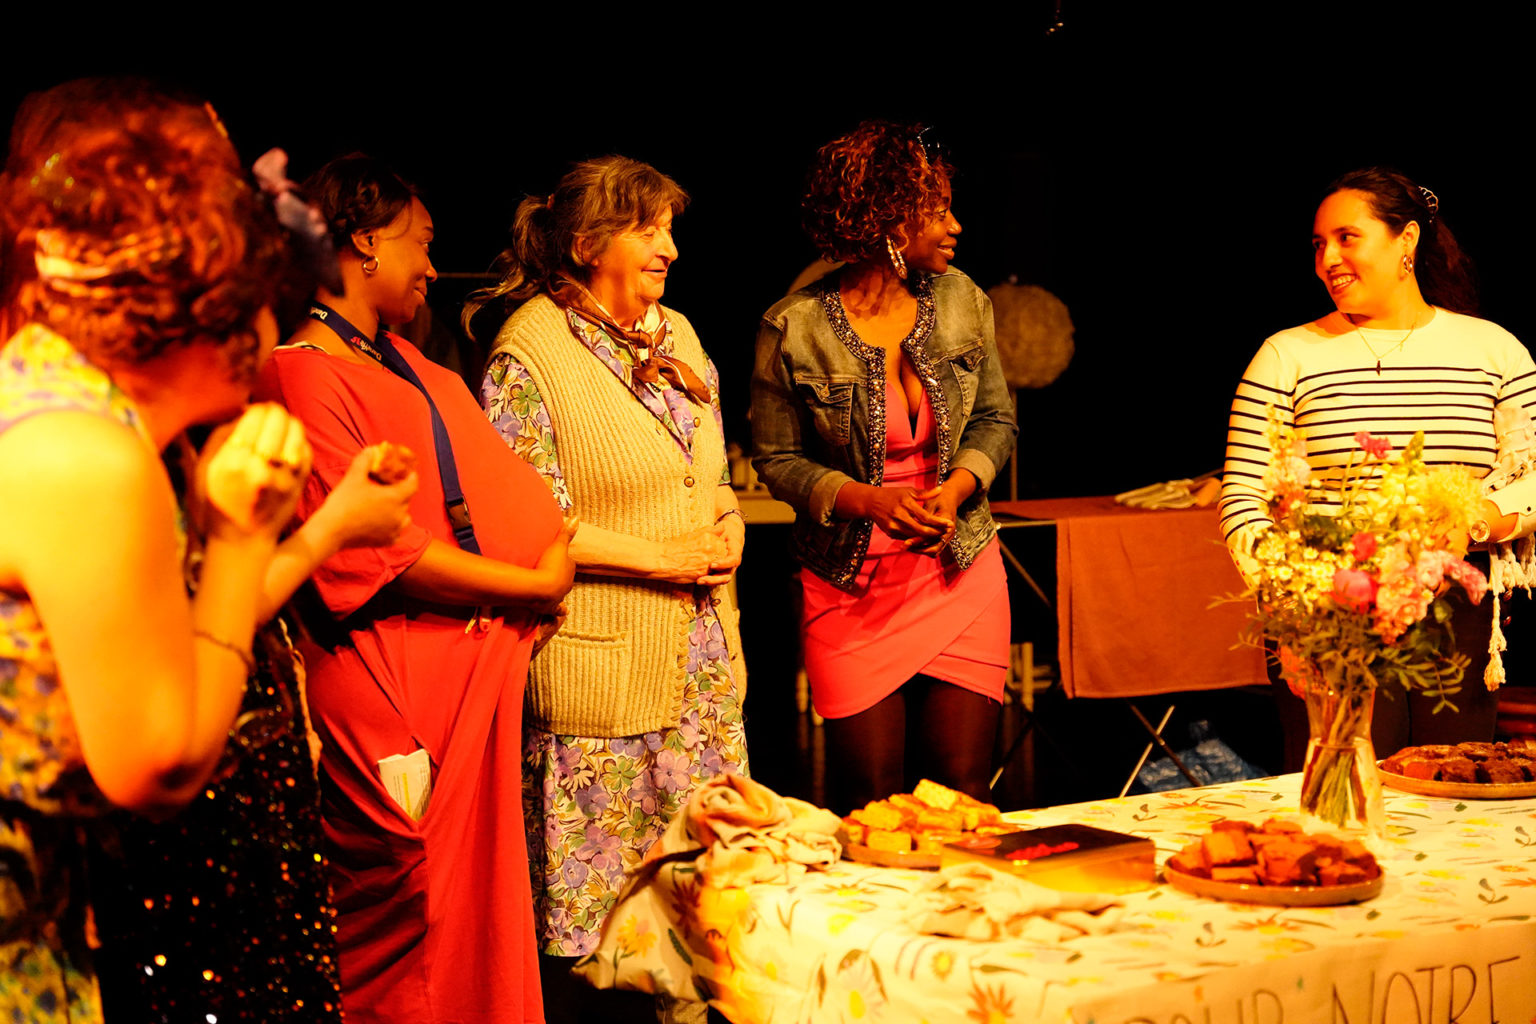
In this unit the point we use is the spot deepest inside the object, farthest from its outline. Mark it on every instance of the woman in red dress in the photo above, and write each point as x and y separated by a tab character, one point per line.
423	645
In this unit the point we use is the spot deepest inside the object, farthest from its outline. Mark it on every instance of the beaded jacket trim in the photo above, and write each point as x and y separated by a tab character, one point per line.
874	357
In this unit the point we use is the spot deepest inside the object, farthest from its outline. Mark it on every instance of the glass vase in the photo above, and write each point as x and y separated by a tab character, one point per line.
1340	790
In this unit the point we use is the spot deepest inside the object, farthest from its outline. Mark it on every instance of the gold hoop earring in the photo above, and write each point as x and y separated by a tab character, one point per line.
370	271
898	261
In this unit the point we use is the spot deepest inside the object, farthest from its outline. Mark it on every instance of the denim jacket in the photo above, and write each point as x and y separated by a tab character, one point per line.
818	413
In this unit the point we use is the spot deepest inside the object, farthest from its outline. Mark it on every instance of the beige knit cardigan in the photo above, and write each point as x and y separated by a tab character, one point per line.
617	667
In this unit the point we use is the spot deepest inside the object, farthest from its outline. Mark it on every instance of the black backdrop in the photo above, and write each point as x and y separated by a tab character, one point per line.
1155	166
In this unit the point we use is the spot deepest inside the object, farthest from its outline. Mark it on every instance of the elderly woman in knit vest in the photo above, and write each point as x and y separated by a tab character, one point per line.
609	395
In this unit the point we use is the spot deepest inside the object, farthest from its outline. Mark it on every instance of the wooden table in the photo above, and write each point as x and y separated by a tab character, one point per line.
1452	937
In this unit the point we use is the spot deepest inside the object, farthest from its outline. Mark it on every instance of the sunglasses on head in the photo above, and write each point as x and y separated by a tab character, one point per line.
934	147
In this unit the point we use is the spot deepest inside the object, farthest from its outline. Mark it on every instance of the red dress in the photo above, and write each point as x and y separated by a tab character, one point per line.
435	920
909	614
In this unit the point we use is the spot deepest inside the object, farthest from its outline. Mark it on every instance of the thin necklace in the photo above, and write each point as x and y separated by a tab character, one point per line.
1381	355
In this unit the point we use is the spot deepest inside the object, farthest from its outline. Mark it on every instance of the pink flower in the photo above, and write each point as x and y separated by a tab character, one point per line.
1287	475
1374	447
1354	589
1401	600
1364	544
1471	579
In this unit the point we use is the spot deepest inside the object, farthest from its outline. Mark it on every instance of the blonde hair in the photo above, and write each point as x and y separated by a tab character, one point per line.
595	200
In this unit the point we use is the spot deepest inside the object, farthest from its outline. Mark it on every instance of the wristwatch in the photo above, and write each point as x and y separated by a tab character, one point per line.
1479	531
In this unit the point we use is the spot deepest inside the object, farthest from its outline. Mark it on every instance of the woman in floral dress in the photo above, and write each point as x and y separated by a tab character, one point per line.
609	395
141	282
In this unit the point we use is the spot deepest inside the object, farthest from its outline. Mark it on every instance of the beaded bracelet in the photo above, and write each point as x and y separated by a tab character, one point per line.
235	649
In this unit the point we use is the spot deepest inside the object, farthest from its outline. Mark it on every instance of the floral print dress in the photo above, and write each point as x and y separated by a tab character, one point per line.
46	793
594	805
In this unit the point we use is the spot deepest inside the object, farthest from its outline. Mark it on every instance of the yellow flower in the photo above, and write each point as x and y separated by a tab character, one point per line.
943	963
837	922
858	977
1286	946
1274	924
635	936
992	1005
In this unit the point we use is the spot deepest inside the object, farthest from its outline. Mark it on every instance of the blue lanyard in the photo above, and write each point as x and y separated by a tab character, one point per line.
381	349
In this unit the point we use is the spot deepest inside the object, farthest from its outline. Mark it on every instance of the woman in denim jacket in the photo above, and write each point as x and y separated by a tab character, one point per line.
879	411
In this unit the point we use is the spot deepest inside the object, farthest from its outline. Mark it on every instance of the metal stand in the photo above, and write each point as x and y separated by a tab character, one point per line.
1157	739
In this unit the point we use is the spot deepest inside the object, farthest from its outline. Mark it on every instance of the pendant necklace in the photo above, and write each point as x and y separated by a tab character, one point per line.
1381	355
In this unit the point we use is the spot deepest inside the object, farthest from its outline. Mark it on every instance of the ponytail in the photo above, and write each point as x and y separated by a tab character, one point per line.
524	268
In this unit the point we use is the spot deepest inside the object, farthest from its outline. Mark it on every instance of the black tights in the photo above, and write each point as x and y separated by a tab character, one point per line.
927	729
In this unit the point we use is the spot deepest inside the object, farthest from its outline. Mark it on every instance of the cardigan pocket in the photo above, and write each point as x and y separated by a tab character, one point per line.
579	684
830	402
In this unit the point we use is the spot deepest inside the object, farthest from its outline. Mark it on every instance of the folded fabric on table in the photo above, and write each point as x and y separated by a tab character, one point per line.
975	901
687	903
754	835
1200	492
747	833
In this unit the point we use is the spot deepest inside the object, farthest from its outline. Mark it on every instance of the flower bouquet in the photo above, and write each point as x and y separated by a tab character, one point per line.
1350	583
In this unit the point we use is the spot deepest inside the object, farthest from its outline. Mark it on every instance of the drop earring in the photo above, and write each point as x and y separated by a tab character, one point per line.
898	261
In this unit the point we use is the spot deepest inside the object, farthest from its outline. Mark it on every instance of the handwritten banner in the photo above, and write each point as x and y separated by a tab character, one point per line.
1481	975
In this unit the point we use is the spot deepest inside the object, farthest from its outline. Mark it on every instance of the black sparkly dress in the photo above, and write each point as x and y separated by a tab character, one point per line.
223	914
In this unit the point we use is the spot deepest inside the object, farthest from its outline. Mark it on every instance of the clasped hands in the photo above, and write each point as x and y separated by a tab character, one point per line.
706	556
924	521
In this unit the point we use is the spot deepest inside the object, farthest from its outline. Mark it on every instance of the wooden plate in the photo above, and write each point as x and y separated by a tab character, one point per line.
891	858
1274	895
1458	790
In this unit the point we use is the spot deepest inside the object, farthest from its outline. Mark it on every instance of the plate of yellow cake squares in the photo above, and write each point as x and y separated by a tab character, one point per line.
907	830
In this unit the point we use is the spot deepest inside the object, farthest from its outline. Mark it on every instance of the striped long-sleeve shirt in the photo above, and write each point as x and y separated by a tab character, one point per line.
1330	380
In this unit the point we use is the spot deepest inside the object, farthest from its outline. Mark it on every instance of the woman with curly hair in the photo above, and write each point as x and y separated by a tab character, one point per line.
879	411
140	269
609	395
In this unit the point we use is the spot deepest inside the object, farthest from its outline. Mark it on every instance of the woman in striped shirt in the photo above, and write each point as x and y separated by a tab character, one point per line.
1400	354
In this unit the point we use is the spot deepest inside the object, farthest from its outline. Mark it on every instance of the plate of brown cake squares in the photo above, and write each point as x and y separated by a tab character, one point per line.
1274	864
1467	771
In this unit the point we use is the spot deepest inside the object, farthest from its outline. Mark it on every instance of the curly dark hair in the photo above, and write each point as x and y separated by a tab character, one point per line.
141	202
357	193
870	184
1446	275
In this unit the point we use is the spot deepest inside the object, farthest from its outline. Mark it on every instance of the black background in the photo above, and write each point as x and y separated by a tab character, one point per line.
1154	165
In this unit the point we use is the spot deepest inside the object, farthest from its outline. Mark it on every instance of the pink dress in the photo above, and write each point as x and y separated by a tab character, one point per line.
909	614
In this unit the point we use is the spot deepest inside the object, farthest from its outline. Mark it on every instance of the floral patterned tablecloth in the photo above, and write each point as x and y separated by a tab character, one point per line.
1451	938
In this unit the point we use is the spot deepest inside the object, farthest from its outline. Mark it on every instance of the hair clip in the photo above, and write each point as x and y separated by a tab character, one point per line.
1431	201
59	257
